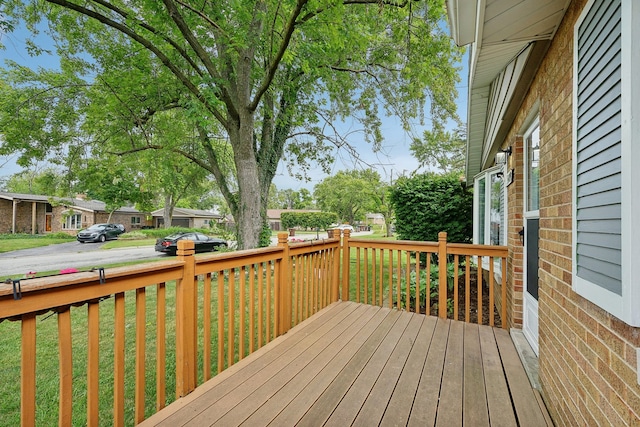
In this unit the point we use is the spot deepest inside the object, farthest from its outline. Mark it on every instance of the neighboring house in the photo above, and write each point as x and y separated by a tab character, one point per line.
553	134
189	218
273	216
374	219
37	214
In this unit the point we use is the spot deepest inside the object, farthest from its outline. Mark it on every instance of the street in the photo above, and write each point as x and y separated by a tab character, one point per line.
82	255
70	255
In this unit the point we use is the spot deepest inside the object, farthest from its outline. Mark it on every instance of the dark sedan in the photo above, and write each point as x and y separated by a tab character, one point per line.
203	243
100	233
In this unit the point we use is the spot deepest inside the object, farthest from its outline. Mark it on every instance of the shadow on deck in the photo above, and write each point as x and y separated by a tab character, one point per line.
355	364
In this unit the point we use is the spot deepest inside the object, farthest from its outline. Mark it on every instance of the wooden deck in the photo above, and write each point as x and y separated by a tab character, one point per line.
354	364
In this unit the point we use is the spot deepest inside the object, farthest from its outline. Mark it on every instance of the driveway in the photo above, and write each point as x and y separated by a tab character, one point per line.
70	255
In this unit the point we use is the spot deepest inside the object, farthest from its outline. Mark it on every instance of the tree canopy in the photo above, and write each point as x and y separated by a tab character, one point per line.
244	83
290	199
442	149
350	194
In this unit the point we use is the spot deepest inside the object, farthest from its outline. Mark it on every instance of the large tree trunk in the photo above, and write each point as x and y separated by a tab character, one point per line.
249	212
167	215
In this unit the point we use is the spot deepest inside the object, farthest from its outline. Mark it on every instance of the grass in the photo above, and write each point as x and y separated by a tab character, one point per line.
14	242
120	243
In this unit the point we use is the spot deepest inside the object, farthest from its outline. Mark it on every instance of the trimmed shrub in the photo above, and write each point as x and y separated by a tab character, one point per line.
428	204
312	220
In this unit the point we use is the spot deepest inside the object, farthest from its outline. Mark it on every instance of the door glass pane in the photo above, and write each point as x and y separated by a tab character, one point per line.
533	170
481	210
531	228
496	211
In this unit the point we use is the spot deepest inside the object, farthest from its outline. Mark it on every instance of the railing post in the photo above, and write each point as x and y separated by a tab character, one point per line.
442	275
335	272
284	283
186	321
346	264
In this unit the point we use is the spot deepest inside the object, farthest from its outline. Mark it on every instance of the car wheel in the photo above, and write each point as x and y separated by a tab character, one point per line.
102	238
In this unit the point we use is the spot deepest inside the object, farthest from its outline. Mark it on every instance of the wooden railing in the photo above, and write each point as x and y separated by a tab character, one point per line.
445	279
153	332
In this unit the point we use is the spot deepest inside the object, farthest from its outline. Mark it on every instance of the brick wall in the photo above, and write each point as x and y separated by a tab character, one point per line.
515	216
23	217
587	357
6	208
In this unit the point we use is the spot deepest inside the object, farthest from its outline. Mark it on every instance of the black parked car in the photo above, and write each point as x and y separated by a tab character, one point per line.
100	233
203	243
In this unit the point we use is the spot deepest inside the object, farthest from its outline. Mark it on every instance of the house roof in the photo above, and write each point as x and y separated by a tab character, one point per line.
24	197
508	39
187	213
80	204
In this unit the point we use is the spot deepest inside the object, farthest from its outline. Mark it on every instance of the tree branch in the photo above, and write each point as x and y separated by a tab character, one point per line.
273	67
127	16
148	45
317	12
202	54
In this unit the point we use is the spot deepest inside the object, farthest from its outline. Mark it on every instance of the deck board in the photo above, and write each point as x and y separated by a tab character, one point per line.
425	406
354	364
297	408
474	403
398	409
375	406
498	399
451	386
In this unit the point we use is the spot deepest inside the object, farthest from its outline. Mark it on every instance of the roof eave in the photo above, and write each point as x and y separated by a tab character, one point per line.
462	20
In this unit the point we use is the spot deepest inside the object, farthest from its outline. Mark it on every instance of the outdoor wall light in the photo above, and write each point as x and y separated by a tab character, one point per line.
503	155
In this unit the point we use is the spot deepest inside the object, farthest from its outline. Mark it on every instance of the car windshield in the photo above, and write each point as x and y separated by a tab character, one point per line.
96	227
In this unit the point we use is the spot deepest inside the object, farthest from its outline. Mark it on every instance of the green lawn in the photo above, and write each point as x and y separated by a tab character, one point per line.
121	243
14	242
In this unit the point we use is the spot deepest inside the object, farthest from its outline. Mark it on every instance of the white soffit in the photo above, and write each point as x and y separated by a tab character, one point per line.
504	28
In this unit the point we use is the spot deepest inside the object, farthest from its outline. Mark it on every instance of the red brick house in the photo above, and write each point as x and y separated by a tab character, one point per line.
553	136
37	214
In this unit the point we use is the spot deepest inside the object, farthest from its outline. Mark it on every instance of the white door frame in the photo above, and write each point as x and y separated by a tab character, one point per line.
529	302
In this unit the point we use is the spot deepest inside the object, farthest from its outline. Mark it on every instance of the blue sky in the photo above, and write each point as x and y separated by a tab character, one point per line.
392	160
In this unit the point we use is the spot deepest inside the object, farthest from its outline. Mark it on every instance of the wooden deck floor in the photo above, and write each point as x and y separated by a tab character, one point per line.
354	364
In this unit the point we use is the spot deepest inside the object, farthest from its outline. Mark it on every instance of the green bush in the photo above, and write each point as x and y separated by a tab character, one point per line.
312	220
428	204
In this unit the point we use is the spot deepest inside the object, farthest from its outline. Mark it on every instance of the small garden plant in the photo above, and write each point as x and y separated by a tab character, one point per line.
432	294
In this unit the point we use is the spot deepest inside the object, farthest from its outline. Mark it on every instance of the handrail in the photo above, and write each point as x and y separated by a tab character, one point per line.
39	294
377	272
195	316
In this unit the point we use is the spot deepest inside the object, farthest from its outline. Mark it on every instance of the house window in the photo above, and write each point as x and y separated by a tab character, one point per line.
489	212
71	221
606	106
135	220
